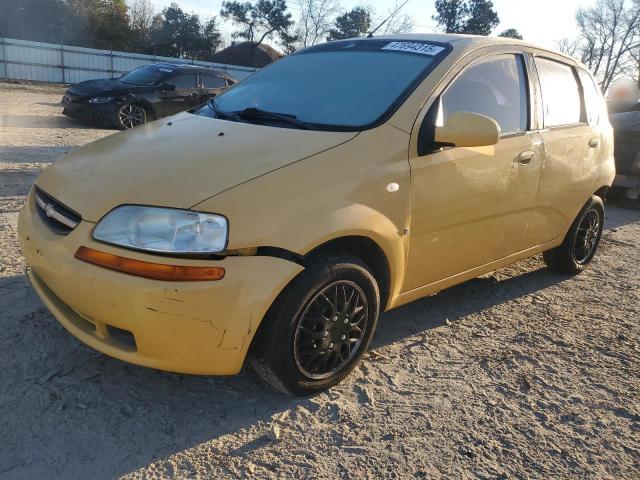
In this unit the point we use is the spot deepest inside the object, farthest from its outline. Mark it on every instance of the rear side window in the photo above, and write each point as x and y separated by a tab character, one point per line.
593	100
496	87
184	81
212	81
560	93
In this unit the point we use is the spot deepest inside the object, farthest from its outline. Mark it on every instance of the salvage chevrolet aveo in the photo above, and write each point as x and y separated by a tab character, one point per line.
277	221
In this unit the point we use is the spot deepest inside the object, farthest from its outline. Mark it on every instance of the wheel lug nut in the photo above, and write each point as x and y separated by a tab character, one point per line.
346	320
335	319
325	334
331	345
343	337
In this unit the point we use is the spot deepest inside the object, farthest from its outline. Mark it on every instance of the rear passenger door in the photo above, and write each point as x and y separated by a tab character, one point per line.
572	147
185	96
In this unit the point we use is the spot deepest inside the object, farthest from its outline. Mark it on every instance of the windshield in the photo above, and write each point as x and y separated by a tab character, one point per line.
348	85
146	76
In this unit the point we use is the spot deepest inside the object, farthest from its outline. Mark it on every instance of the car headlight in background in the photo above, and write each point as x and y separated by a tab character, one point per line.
163	230
100	99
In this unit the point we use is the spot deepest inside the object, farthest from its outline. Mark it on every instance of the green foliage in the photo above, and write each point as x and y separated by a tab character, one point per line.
260	20
111	25
354	23
475	17
511	33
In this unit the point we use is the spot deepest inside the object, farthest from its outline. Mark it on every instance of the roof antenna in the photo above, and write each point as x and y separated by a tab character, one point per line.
370	35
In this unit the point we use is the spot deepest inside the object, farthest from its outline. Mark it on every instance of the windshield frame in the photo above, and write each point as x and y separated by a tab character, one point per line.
339	45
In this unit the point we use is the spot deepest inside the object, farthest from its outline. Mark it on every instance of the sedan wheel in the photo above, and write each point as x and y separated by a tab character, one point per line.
130	116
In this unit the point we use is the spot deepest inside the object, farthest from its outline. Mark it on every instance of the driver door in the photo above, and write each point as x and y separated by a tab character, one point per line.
471	206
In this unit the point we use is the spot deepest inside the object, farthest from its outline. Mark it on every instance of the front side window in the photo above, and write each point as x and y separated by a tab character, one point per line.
593	100
496	87
184	81
342	85
560	93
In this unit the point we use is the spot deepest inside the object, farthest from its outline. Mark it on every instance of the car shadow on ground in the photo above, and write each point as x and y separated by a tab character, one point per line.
65	406
65	400
43	121
459	302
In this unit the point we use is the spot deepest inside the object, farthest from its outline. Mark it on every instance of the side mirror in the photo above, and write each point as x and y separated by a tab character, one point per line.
468	129
167	87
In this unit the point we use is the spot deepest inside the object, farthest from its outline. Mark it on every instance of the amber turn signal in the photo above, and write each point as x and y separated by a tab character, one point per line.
155	271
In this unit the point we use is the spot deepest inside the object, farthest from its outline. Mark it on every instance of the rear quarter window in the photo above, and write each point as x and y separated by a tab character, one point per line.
593	100
560	93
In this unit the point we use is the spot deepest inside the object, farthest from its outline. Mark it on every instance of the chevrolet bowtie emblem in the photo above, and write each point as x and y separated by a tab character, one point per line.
48	209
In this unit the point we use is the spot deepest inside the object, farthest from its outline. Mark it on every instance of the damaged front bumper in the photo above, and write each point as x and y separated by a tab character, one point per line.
188	327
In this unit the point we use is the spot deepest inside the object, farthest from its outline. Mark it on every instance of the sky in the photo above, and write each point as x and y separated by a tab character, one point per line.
542	22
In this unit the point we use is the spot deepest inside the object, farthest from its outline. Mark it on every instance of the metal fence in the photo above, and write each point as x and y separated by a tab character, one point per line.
47	62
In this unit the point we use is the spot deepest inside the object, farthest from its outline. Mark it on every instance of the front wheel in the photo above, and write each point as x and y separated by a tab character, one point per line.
581	242
130	115
319	327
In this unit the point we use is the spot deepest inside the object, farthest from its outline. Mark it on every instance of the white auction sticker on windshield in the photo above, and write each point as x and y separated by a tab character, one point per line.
414	47
165	70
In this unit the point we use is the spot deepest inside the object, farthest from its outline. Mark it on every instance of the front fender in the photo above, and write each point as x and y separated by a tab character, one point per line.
337	193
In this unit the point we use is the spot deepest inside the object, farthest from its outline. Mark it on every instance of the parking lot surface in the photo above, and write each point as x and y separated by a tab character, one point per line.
523	373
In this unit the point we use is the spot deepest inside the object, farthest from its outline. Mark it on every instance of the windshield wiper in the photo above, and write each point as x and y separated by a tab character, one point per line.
220	114
253	112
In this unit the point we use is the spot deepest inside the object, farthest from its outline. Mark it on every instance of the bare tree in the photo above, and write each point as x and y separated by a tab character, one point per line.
398	21
609	38
316	19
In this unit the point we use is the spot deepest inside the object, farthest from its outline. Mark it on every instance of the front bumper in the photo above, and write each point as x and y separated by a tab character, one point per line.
187	327
100	113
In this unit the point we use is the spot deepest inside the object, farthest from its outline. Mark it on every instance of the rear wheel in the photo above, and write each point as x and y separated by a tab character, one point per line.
581	242
131	115
320	326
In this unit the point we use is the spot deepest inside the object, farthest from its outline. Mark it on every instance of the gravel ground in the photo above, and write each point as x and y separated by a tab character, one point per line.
523	373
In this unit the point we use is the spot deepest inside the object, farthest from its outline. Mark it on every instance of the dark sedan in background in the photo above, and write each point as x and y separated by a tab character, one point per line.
143	94
626	133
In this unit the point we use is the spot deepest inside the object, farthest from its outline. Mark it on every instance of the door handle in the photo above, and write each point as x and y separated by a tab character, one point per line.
525	157
594	142
194	95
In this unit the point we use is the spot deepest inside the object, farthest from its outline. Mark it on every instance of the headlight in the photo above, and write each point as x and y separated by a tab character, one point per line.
163	230
100	99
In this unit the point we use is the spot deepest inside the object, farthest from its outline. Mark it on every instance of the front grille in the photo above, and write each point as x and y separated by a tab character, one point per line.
54	214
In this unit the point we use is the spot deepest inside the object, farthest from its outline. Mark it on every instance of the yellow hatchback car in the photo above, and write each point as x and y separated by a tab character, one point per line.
277	221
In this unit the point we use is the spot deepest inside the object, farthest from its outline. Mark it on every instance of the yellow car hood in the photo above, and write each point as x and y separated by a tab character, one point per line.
176	162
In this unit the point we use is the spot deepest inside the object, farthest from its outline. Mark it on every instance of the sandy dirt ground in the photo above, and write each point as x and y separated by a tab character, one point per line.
523	373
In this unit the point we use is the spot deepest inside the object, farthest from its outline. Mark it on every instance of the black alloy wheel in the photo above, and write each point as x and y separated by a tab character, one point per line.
587	237
330	330
319	327
581	242
131	115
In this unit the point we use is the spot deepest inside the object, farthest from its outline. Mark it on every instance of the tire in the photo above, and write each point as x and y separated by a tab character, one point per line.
131	115
301	325
581	242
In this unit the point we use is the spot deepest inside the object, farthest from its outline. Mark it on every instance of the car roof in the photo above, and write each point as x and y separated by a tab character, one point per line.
186	68
466	43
